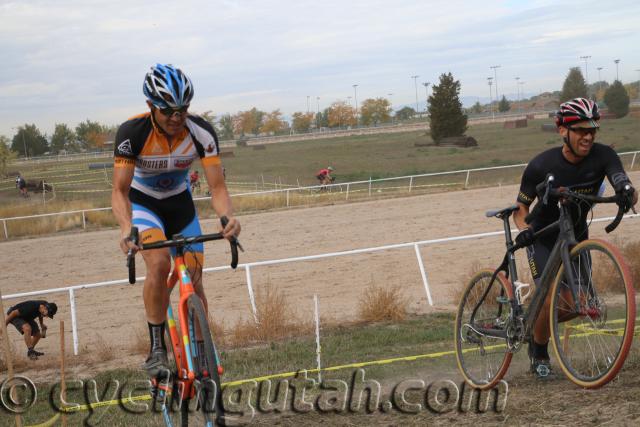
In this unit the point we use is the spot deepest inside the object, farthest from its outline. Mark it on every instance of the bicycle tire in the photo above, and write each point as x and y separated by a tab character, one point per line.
577	352
206	367
178	410
492	369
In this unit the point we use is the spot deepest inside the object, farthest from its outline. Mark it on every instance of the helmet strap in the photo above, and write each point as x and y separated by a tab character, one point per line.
566	141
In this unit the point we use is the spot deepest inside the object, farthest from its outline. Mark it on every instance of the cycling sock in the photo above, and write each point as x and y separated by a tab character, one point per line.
540	351
156	335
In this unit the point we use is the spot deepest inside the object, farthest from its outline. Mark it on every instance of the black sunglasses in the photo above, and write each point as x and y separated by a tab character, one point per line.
584	131
171	111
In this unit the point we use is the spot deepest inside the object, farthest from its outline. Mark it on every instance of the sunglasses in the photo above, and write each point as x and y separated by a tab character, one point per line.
584	131
169	112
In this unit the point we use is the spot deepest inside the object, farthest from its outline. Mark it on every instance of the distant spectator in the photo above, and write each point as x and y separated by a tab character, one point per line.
194	180
23	317
22	186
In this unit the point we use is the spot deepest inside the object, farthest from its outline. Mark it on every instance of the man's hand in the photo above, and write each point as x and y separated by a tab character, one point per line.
126	244
628	198
232	228
525	237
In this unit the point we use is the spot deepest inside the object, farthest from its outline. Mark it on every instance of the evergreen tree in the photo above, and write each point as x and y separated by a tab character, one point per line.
445	109
504	105
29	137
574	86
617	99
477	108
405	113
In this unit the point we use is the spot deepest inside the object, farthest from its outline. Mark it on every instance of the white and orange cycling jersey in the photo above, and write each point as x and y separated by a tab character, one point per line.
161	168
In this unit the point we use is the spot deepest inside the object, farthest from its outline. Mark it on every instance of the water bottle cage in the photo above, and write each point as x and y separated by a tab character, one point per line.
519	287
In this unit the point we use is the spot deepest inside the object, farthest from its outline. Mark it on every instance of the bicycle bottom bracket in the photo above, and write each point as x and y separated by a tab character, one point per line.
543	370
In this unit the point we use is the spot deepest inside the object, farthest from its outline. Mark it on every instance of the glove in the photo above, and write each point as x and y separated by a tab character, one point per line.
625	198
525	237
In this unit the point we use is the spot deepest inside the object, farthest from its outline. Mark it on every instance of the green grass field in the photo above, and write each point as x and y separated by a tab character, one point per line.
283	165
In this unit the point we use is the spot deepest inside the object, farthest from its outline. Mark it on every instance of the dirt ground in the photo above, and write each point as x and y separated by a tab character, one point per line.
108	317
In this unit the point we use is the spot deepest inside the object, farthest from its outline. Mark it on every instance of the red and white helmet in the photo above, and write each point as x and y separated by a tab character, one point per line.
578	110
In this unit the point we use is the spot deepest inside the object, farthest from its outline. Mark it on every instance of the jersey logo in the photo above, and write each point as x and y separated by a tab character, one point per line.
125	147
182	163
156	148
210	148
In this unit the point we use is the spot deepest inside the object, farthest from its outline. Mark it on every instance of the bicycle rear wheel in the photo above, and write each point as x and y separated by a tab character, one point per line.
592	342
174	411
208	409
483	360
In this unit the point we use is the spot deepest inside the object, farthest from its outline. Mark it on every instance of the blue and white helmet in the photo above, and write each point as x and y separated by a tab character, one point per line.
167	87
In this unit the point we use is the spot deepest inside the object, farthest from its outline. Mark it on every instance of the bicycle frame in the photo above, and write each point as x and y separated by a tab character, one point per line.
560	254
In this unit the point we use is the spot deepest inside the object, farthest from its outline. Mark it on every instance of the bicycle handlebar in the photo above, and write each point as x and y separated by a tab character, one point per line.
180	241
568	194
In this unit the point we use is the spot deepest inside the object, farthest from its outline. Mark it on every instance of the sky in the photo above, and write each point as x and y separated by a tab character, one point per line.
65	61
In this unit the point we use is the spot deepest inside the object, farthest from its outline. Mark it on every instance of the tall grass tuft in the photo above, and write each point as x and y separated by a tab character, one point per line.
381	303
276	320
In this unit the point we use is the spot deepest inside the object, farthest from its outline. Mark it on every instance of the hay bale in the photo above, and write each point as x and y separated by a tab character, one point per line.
511	124
259	147
531	116
548	128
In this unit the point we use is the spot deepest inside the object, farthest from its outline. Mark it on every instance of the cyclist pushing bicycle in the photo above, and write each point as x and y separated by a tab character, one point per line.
153	153
580	165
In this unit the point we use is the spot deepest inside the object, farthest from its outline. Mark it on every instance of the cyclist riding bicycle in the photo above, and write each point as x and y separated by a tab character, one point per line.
153	153
579	165
324	176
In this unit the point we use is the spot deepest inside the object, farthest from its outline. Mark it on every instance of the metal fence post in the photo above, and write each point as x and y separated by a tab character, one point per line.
347	197
6	233
287	198
74	323
252	298
410	183
84	221
318	348
466	181
423	274
369	186
633	160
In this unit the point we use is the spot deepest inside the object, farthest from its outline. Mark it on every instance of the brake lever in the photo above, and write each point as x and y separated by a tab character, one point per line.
545	198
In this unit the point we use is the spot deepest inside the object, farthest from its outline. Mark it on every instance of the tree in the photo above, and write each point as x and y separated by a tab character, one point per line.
248	121
63	139
272	122
225	125
477	108
504	105
209	117
405	113
341	114
29	136
91	134
617	99
375	111
302	121
445	109
6	155
574	85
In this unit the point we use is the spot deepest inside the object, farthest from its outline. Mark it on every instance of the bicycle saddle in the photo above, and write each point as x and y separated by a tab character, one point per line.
500	213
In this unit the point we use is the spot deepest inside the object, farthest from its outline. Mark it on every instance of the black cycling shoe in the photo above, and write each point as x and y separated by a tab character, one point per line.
32	354
157	365
38	353
541	369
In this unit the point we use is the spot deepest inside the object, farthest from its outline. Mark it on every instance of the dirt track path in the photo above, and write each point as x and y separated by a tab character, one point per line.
111	315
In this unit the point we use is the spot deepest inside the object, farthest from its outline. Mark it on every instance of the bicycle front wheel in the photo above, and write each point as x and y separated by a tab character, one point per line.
592	336
482	359
207	391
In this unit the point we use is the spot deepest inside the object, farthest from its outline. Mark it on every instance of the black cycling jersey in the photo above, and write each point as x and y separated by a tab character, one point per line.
585	177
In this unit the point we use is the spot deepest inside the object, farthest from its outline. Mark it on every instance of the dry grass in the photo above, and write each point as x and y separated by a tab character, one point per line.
276	321
103	350
631	253
381	303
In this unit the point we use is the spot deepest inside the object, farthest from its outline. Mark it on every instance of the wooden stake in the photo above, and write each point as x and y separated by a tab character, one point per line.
7	352
63	387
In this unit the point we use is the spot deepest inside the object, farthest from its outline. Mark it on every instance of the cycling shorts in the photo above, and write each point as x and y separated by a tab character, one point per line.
161	219
19	322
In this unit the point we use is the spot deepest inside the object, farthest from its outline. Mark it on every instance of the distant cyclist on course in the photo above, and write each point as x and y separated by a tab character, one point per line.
579	165
153	153
324	176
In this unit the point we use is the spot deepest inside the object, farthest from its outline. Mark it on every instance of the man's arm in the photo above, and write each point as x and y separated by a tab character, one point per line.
220	200
120	204
520	215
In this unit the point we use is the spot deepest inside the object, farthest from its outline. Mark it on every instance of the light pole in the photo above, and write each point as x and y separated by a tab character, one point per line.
490	81
318	113
521	91
518	91
415	82
617	61
308	104
426	88
355	94
495	75
586	70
